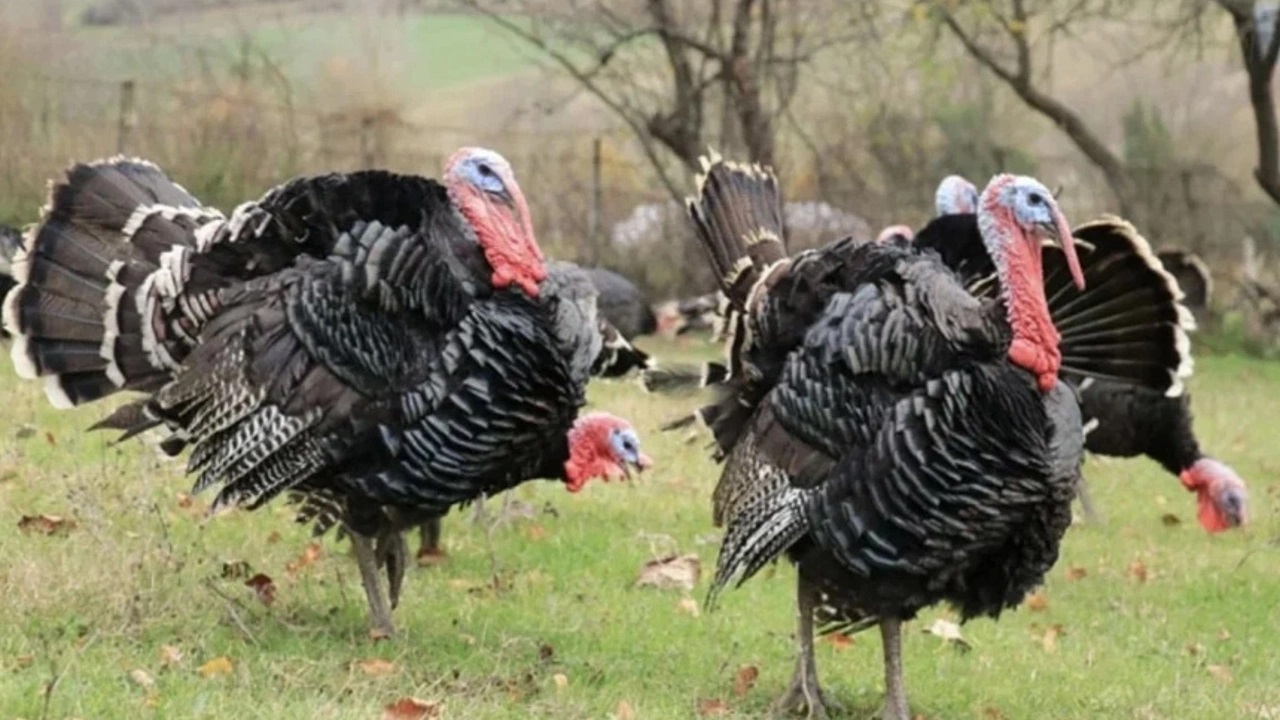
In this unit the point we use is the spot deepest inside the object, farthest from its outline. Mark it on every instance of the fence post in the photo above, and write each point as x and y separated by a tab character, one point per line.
367	143
595	210
125	122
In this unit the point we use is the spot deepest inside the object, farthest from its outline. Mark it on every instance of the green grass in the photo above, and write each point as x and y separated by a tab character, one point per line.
426	51
139	572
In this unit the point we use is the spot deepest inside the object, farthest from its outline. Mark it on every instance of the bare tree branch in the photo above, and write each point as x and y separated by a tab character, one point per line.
1260	64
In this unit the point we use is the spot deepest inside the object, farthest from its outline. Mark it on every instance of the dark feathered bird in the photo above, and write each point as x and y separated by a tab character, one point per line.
1132	398
380	346
622	303
903	442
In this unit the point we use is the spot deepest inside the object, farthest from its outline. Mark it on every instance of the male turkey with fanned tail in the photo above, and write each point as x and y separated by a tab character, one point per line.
1125	346
901	441
380	346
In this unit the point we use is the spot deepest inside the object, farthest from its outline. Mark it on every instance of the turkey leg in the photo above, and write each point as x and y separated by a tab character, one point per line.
804	692
895	694
393	552
429	551
1091	515
367	561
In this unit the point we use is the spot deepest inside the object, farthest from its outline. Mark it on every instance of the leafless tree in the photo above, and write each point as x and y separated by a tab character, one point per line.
1004	35
685	75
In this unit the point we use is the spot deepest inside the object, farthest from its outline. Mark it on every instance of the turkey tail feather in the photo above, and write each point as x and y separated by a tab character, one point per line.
111	249
1129	324
737	216
1192	275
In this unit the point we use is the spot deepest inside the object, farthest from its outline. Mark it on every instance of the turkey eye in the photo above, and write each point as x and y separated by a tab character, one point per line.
485	170
1035	199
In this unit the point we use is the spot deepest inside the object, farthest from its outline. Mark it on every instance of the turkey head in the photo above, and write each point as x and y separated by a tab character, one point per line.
602	446
484	189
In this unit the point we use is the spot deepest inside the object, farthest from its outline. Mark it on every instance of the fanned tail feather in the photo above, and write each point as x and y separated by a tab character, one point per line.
1129	323
756	536
107	260
1192	275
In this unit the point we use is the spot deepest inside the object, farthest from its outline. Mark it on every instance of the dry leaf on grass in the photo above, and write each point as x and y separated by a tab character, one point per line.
220	665
263	588
1037	602
992	713
1170	520
1049	641
840	640
1075	572
624	711
170	655
1194	648
46	524
561	680
410	708
1224	634
309	555
1138	571
1221	673
712	707
375	666
535	532
49	438
671	571
948	631
745	679
690	606
142	678
273	537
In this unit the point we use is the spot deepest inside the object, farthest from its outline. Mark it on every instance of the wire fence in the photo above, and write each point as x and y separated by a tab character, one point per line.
593	195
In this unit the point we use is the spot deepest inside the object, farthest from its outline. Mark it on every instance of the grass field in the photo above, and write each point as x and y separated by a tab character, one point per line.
1143	618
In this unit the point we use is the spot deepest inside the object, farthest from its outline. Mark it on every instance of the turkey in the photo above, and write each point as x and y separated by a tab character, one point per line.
1130	296
901	441
381	347
10	244
622	303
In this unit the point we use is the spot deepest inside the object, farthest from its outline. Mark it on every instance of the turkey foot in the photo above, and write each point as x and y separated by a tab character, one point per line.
367	561
429	550
804	693
895	693
1091	514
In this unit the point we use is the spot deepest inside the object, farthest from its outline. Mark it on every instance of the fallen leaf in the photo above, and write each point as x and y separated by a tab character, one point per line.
235	569
1195	648
992	713
1050	639
1138	571
690	606
1170	520
949	632
624	711
1224	634
840	640
467	639
309	555
273	537
410	708
711	707
1075	572
546	652
24	661
263	588
142	678
561	680
46	524
375	667
1037	602
535	532
185	500
170	655
745	679
671	571
220	665
49	438
1221	673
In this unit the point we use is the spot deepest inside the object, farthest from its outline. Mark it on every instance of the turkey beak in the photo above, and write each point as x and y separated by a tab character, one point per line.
641	463
1058	231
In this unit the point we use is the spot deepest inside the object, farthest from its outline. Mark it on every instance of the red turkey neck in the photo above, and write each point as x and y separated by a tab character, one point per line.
505	235
1020	265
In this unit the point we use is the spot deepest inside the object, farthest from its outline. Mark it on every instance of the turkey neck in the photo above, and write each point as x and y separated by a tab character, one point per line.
1020	267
